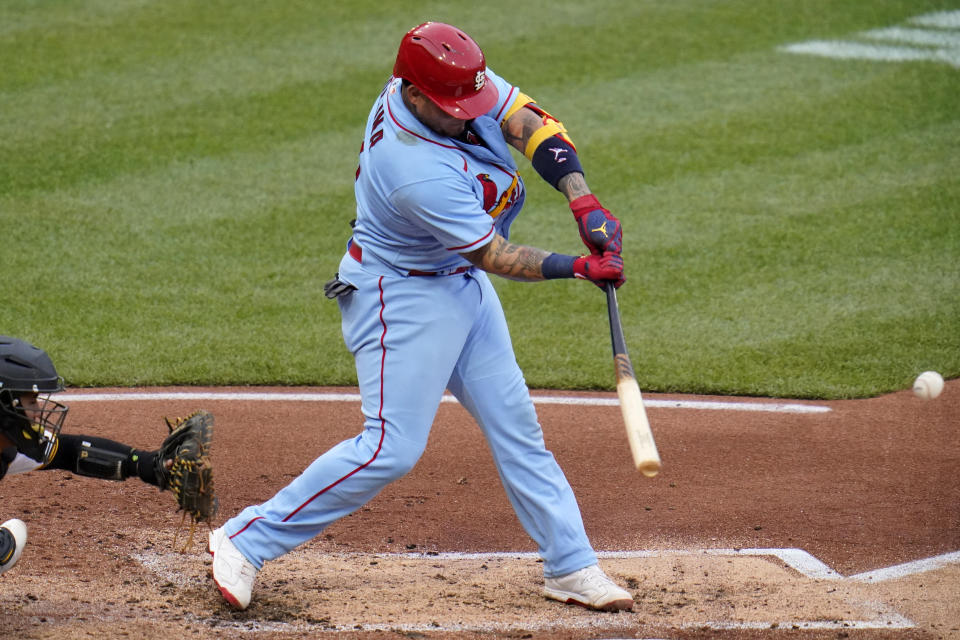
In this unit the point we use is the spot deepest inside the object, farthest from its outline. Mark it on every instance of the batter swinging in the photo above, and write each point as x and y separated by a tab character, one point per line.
437	190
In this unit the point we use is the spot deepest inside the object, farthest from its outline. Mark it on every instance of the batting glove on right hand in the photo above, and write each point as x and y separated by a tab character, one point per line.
600	269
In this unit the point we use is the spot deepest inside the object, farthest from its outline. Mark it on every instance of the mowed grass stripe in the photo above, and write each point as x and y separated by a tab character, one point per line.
216	58
187	174
179	77
80	43
145	140
752	110
772	267
175	257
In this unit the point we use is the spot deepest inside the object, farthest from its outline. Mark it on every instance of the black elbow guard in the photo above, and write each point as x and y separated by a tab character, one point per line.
100	463
555	158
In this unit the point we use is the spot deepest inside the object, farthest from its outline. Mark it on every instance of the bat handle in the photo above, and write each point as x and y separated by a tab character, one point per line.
611	292
617	341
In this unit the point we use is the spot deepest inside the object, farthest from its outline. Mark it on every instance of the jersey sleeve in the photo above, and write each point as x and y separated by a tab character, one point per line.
510	98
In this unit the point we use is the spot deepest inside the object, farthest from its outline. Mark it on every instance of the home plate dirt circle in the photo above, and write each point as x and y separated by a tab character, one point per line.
771	518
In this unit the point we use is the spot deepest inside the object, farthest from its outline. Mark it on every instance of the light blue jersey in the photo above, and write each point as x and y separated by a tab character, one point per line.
423	198
422	320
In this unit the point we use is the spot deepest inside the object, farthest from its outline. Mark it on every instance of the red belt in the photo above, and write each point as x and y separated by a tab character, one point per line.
355	251
357	254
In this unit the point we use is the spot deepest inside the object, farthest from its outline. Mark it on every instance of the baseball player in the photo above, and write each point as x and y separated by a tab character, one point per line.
437	190
30	438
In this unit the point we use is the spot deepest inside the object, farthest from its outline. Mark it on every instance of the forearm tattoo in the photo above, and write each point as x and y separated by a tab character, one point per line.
516	262
511	261
573	185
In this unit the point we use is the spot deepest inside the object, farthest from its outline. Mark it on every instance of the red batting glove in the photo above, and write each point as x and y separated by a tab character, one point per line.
599	229
600	269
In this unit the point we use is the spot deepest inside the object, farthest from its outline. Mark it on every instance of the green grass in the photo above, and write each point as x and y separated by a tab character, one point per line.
176	182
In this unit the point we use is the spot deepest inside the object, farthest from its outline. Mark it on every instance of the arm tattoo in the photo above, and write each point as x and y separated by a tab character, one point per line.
518	129
508	260
517	132
573	185
515	262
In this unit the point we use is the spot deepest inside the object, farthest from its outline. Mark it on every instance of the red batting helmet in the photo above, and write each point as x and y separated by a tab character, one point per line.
448	66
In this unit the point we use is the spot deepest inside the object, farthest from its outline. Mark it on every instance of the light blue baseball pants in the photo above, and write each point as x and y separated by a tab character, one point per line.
412	338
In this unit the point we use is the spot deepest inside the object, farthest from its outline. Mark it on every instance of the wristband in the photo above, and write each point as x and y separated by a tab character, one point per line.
557	265
555	158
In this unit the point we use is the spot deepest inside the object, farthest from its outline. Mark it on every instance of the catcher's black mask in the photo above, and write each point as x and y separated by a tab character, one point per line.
28	417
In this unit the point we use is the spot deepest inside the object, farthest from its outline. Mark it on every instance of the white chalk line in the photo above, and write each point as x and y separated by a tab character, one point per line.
799	560
886	620
606	622
803	562
266	396
908	568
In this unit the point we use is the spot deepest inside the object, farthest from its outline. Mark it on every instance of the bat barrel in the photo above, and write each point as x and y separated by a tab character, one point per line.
642	446
650	468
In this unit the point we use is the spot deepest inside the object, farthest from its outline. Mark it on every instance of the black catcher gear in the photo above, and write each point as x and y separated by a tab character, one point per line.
183	465
97	462
26	370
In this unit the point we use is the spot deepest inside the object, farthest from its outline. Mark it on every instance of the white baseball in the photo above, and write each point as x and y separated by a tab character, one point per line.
928	385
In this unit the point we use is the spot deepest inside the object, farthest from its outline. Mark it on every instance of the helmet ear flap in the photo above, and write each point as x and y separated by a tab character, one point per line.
34	435
15	425
26	370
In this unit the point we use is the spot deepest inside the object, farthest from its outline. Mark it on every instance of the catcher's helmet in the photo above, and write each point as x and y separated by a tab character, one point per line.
448	66
26	370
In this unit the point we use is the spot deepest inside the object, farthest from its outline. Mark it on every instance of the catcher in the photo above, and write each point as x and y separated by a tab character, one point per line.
30	439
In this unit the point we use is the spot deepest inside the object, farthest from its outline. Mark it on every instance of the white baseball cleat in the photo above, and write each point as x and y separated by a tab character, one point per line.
232	572
589	587
13	537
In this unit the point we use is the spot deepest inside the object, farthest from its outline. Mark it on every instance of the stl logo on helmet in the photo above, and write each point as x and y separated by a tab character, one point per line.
479	80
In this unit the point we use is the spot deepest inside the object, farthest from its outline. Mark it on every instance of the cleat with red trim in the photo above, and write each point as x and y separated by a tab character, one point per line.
232	572
589	587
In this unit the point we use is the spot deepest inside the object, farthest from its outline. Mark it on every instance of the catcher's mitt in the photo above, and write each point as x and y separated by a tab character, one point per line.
183	465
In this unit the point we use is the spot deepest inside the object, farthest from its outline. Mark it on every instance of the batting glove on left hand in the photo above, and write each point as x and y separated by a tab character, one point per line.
599	229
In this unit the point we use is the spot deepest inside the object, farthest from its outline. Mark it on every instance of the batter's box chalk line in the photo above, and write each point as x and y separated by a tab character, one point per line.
267	396
166	566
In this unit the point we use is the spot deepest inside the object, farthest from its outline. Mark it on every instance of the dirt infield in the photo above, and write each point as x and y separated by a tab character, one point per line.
771	519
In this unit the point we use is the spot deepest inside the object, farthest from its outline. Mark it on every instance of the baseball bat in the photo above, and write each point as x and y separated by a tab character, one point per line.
642	445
